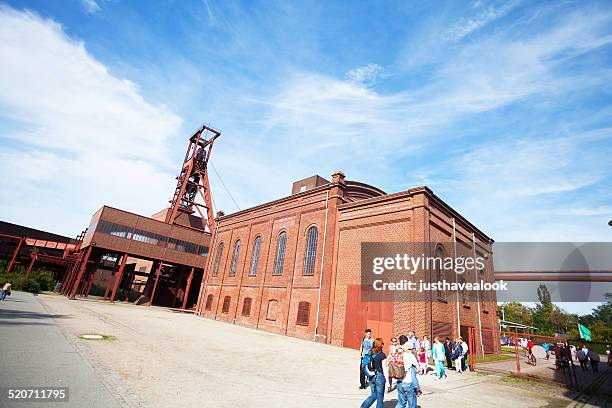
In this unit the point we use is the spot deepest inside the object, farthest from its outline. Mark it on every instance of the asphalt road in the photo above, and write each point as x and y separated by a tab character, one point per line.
34	352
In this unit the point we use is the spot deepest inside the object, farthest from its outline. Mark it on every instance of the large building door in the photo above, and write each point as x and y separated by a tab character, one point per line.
361	315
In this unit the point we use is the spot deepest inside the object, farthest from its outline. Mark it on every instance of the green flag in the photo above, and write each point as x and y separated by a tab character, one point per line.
585	333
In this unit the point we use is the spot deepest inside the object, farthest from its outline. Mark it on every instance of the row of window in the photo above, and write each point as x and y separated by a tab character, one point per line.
310	254
151	238
303	315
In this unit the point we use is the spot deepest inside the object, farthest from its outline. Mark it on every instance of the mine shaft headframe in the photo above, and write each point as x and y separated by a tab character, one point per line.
192	193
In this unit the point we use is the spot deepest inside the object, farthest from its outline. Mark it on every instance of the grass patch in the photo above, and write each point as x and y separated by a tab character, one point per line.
104	337
494	357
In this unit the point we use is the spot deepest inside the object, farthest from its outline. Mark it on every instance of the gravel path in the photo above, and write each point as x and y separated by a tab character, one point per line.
160	358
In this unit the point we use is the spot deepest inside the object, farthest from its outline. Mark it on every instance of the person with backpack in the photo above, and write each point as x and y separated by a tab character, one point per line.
373	368
392	349
594	359
583	359
438	355
403	367
458	355
448	352
364	350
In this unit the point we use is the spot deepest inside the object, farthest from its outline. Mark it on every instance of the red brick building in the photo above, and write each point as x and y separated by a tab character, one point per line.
292	266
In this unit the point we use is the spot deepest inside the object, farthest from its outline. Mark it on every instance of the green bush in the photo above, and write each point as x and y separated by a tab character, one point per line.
30	285
37	281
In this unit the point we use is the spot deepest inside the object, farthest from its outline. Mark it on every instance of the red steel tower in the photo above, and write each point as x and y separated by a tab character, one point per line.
192	191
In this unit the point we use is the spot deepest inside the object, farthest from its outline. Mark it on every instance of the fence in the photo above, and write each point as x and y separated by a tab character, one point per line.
507	353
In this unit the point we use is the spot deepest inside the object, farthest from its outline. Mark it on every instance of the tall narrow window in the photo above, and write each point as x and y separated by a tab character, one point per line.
226	304
209	300
218	260
310	256
235	256
272	309
255	257
280	254
303	316
246	307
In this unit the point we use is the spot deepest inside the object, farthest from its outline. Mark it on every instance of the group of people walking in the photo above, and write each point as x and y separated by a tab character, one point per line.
584	356
408	357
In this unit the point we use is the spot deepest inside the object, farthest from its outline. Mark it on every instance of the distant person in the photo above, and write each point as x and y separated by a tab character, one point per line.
408	388
582	359
458	355
393	347
594	359
422	358
6	290
448	352
377	376
464	353
426	344
364	349
546	348
438	355
413	341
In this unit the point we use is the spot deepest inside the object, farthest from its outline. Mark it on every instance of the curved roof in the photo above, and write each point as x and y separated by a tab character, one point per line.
356	191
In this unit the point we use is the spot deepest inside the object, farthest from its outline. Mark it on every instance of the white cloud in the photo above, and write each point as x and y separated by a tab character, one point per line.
74	136
483	17
91	6
365	75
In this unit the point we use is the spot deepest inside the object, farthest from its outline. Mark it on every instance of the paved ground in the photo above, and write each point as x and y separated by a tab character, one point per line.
36	353
161	358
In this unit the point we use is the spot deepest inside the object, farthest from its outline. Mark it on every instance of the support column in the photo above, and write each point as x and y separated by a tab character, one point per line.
179	282
14	259
118	276
80	275
27	273
186	296
157	273
110	279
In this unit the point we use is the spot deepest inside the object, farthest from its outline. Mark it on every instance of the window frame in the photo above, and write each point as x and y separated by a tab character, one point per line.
279	259
310	252
235	256
257	243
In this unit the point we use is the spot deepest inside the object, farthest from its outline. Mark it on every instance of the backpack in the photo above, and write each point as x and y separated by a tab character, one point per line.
367	364
396	366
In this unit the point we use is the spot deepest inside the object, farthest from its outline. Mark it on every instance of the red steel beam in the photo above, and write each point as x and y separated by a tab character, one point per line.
110	279
31	265
157	273
75	286
118	276
10	267
186	295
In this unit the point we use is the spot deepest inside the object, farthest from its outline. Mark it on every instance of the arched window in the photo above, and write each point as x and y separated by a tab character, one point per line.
272	309
235	256
439	262
255	257
246	307
303	316
218	260
226	304
280	254
310	255
209	300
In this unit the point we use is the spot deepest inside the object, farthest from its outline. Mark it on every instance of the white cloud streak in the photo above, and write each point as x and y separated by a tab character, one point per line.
78	137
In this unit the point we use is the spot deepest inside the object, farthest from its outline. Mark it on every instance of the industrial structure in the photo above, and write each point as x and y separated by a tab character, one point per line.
174	241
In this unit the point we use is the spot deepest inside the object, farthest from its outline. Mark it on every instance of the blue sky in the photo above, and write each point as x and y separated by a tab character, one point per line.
504	109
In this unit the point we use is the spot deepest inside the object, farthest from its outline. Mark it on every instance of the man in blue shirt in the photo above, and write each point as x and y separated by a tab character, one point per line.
413	341
365	348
